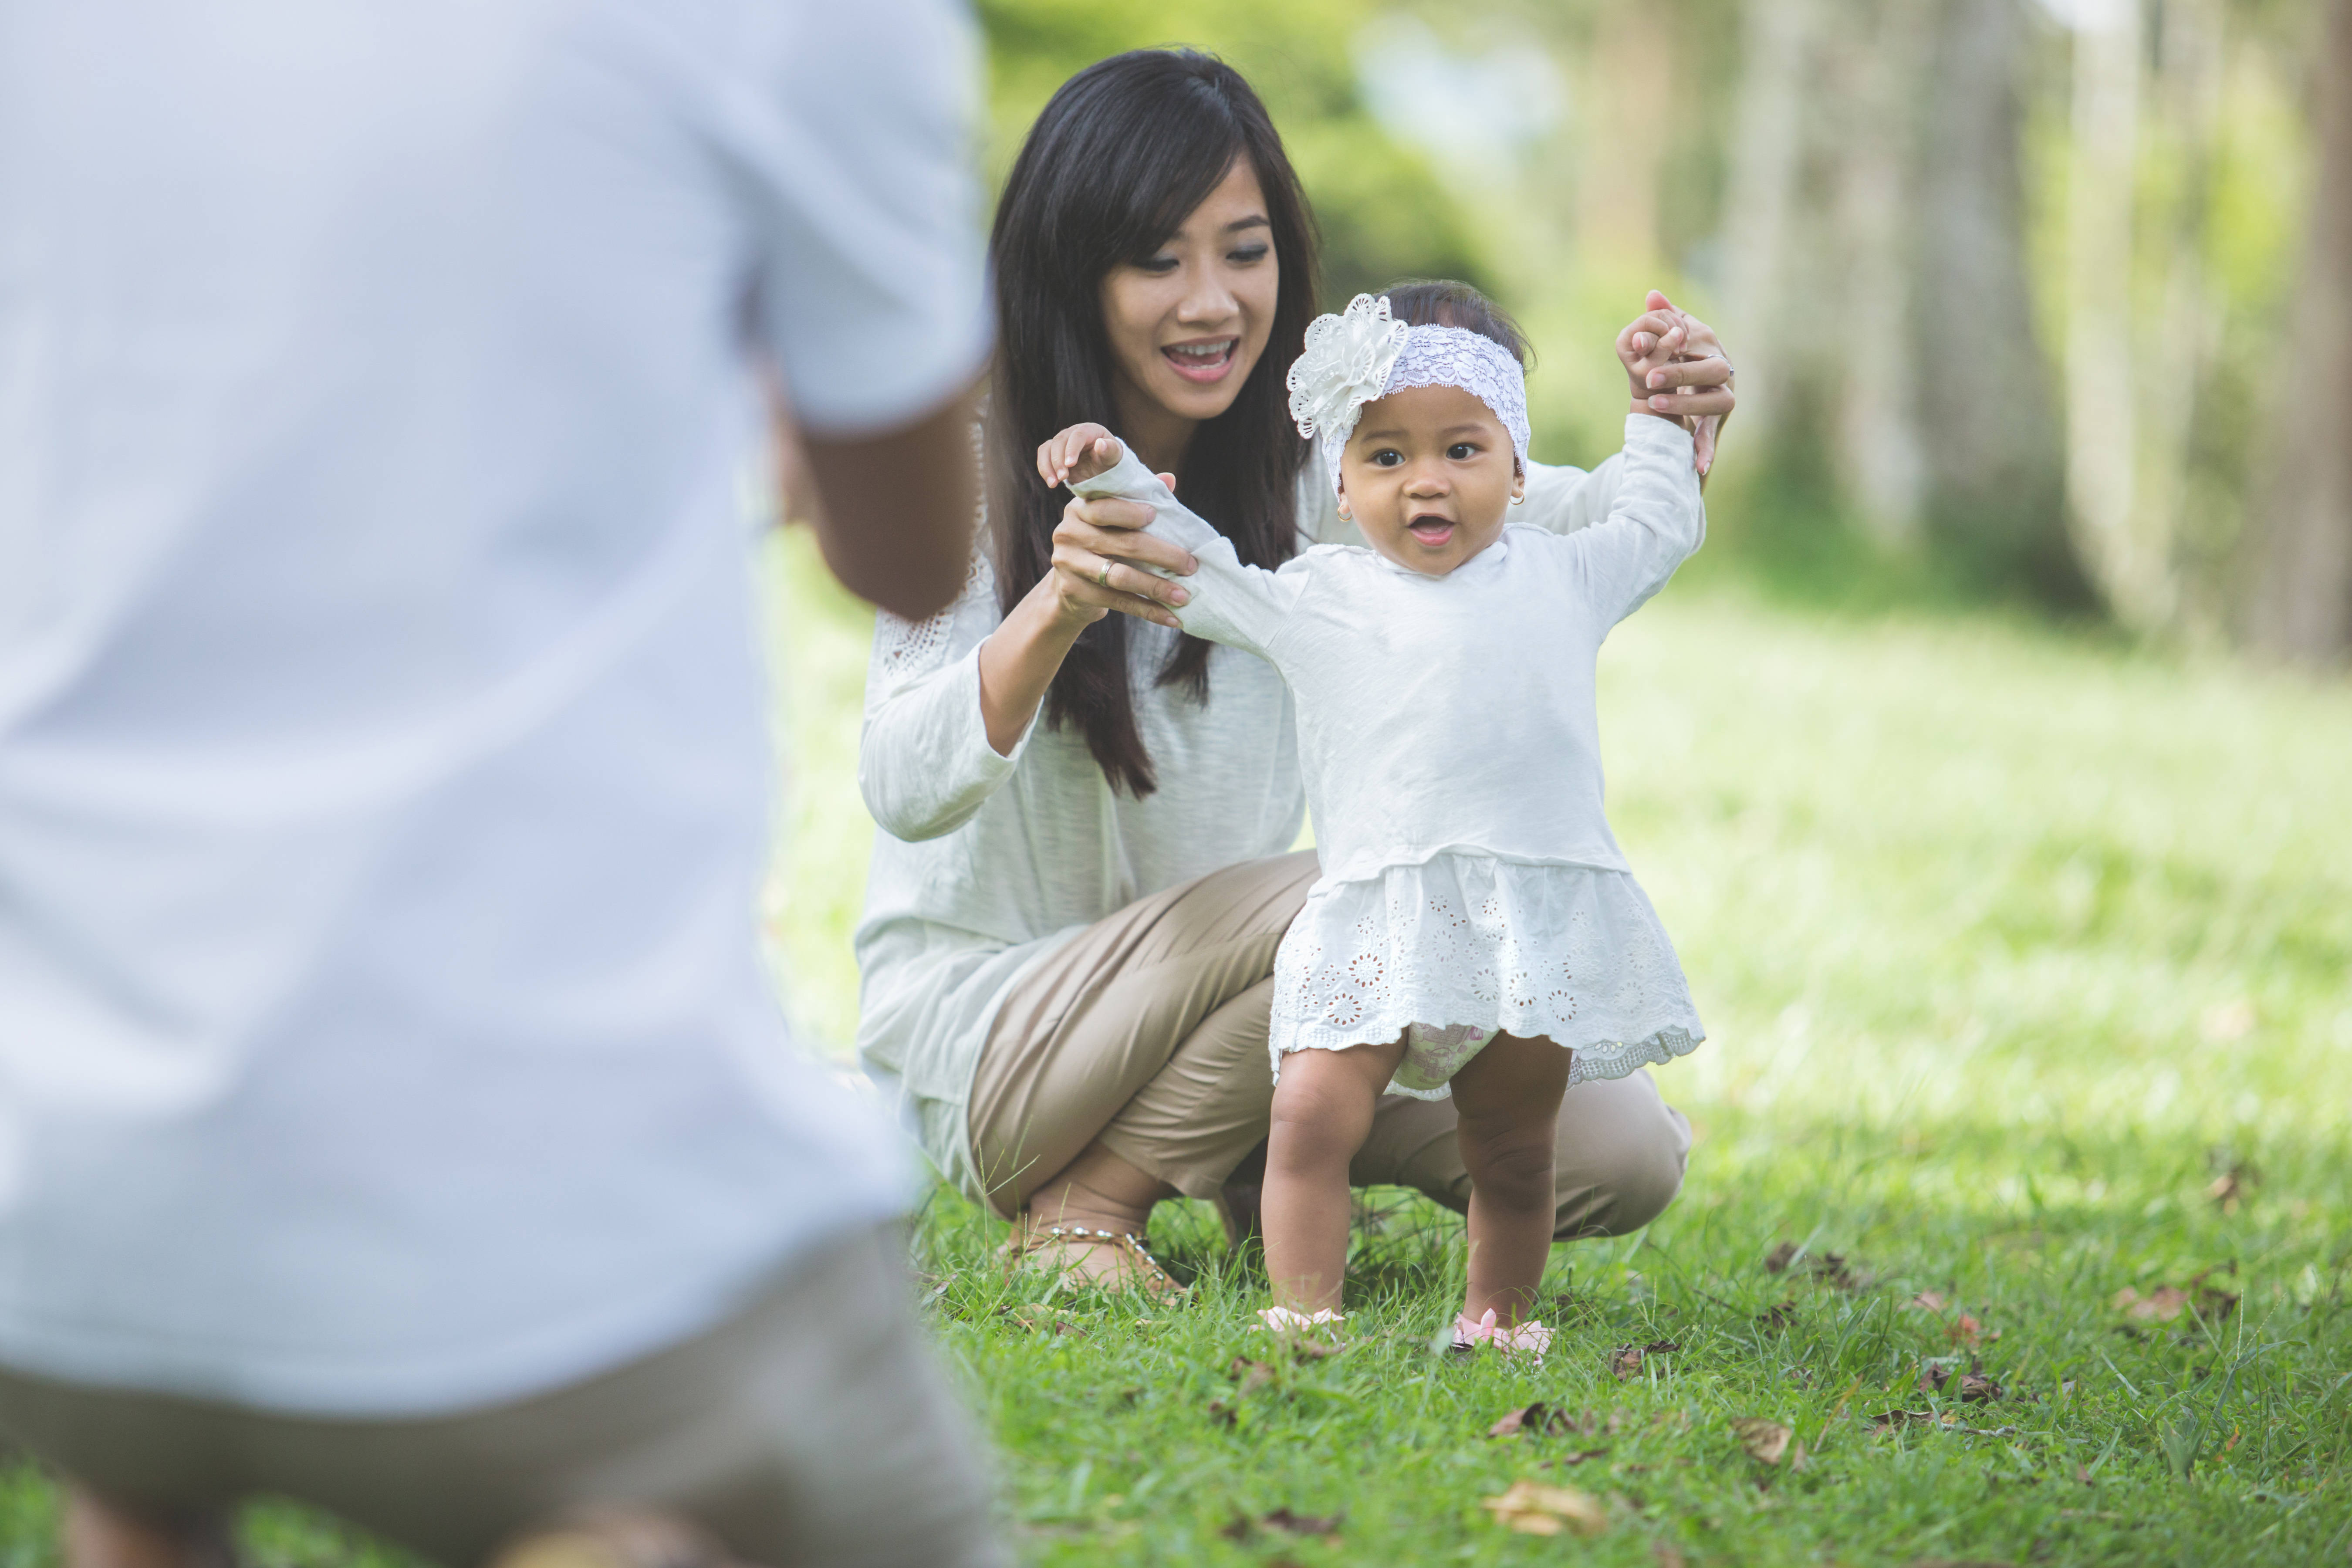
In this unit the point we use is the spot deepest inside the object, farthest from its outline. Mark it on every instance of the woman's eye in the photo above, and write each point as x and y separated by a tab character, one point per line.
1248	254
1158	266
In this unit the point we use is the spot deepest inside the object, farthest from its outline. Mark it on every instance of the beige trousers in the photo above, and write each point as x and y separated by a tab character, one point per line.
811	1428
1148	1031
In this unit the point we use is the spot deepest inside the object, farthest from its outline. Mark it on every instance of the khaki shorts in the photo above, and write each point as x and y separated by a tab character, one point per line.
1148	1030
811	1428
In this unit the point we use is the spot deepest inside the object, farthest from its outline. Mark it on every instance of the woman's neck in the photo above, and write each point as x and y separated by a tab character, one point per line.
1158	437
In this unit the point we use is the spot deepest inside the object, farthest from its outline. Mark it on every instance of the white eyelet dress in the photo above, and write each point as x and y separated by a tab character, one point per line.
1451	754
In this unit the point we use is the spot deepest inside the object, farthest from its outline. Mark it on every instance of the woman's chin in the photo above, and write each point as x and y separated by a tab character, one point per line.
1189	397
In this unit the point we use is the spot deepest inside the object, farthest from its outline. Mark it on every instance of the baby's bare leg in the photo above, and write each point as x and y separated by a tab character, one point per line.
1508	1097
1322	1109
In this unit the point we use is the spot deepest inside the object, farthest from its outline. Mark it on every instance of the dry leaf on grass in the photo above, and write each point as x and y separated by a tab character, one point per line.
1283	1519
1767	1441
1668	1556
1252	1375
1971	1387
1779	1316
1626	1361
1578	1456
1829	1267
1537	1420
1926	1301
1036	1318
1531	1508
1887	1421
2168	1302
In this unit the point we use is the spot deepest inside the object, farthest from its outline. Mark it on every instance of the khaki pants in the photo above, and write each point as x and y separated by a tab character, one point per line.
811	1428
1148	1031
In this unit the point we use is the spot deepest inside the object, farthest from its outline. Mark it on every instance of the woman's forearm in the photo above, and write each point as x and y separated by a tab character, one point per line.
1019	660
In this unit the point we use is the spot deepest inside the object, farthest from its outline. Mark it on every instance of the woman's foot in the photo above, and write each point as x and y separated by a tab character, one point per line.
1109	1260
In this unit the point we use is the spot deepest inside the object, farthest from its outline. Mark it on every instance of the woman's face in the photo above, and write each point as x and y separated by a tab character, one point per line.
1188	323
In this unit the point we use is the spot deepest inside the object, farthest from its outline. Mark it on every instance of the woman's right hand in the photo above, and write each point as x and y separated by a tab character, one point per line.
1100	552
1099	555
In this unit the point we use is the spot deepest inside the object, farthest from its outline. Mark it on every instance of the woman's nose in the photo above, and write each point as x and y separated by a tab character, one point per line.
1207	303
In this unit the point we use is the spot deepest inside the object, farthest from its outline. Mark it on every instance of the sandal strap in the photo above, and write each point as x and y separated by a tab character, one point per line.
1125	1240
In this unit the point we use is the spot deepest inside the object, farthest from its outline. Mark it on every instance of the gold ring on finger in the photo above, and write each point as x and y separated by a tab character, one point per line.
1102	578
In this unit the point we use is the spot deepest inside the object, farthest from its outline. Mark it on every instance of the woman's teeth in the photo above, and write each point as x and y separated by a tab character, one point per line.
1201	359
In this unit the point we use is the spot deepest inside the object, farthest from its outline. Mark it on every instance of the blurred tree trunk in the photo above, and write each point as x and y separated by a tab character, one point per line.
2301	603
2132	569
1992	451
1882	320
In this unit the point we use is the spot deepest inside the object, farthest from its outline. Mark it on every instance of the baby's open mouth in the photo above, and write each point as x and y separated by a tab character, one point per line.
1431	530
1203	361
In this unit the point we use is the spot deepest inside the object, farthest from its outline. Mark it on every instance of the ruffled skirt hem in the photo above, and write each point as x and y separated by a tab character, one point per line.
1453	949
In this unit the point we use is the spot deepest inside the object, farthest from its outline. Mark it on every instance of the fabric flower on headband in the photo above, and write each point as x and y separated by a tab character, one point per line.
1346	365
1361	355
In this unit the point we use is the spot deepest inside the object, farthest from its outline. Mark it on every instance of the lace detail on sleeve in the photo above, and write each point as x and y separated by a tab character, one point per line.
903	649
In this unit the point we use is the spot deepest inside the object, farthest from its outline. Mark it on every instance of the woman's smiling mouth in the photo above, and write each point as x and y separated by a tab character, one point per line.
1203	362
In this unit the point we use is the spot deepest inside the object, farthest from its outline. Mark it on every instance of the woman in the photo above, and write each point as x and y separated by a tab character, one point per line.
1081	879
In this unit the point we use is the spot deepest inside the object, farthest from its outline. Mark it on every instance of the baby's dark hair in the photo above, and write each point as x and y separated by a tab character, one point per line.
1439	302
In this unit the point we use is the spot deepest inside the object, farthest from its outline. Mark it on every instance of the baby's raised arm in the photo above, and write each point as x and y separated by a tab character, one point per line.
1231	603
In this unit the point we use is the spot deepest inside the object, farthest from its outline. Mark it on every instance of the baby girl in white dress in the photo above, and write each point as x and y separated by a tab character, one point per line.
1475	931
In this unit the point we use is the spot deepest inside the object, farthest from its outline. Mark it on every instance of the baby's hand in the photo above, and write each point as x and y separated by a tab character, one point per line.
1650	340
1080	452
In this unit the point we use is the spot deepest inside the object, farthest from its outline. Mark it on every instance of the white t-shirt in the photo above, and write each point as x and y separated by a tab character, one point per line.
384	778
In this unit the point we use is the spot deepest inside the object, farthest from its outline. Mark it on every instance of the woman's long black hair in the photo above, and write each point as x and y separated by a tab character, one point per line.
1123	154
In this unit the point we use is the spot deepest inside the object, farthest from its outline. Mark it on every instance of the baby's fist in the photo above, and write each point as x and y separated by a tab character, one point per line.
1080	452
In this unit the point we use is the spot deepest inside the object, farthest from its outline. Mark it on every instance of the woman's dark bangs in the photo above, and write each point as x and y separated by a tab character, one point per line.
1169	179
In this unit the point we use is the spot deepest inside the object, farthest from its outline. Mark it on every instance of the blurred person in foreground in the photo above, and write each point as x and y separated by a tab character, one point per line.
394	1111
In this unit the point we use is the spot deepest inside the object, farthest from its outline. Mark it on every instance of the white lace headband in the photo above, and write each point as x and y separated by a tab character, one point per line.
1360	356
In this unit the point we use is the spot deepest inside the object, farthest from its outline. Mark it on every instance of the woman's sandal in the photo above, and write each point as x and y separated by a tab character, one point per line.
1138	1264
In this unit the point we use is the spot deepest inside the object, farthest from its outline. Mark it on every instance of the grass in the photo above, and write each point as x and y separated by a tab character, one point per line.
2025	958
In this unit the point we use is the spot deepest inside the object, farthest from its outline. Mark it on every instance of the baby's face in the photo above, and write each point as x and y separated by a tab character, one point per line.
1429	477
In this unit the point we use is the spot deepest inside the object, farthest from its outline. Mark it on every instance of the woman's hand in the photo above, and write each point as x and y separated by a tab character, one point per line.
1099	555
1696	383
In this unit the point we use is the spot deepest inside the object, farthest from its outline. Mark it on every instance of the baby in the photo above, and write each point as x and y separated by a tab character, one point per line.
1475	930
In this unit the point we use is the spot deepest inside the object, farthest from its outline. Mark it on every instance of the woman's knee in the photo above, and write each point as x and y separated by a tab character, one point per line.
1620	1158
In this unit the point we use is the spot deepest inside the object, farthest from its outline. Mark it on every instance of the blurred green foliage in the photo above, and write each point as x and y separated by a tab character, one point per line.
1383	211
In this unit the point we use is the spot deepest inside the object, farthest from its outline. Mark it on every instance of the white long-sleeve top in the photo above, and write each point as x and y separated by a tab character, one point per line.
985	862
1450	748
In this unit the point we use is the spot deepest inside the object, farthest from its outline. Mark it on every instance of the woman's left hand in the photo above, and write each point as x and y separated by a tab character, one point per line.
1697	386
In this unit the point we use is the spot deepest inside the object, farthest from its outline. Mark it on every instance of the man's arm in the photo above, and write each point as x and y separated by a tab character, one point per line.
894	512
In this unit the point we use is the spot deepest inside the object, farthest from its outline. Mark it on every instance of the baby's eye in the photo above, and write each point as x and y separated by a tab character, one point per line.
1462	451
1387	457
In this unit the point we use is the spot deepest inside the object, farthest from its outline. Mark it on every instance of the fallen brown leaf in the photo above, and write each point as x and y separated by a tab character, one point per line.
1304	1348
1777	1261
1966	1331
1971	1386
1828	1268
1252	1375
1779	1316
1531	1508
1926	1301
1303	1523
1763	1439
1668	1556
1626	1361
1537	1420
1579	1455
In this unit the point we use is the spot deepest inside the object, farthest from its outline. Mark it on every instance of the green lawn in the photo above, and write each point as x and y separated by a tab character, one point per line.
2025	959
2013	945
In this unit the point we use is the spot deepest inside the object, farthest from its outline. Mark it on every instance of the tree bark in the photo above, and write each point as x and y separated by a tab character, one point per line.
2301	605
1994	454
